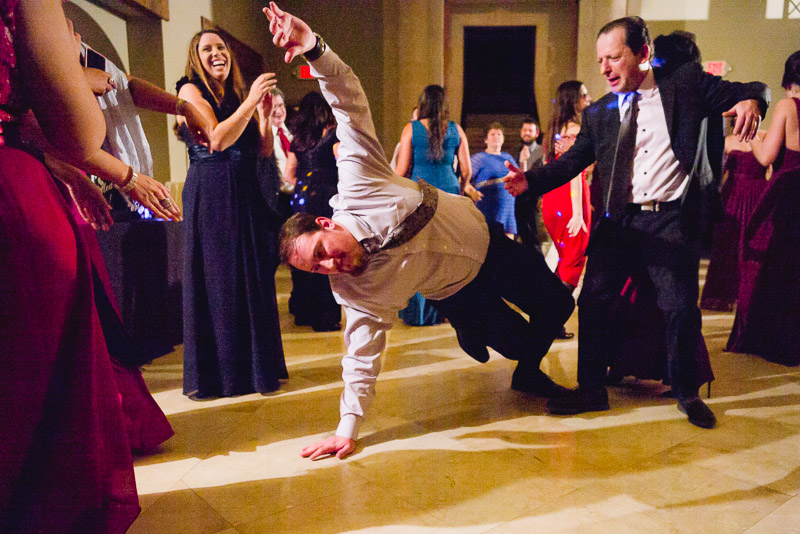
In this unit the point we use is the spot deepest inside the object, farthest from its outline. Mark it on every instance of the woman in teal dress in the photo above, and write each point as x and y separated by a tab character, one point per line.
428	150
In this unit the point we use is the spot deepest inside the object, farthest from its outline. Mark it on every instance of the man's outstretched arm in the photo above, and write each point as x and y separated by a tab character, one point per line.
361	157
361	161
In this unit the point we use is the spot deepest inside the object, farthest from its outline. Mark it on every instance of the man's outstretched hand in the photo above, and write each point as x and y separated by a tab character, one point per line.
289	32
748	119
337	445
515	180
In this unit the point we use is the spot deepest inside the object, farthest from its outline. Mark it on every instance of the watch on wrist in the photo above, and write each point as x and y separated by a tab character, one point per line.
317	51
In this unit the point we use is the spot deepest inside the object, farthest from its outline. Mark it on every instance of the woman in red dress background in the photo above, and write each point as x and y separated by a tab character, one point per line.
566	210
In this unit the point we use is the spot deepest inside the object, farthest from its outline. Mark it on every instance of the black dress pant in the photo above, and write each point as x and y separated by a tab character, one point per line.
482	318
651	243
526	212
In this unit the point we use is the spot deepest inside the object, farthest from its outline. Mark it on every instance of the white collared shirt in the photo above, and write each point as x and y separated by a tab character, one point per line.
657	175
280	155
441	259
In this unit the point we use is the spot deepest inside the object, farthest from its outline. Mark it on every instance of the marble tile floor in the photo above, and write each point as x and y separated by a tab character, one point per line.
449	448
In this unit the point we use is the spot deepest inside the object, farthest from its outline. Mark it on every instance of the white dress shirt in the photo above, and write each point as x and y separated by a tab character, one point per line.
657	175
280	155
441	259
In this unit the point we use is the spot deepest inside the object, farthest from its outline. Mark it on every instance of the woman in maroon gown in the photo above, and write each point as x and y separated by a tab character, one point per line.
745	183
65	462
767	315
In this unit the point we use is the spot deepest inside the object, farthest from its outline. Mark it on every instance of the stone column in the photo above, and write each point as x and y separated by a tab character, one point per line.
413	58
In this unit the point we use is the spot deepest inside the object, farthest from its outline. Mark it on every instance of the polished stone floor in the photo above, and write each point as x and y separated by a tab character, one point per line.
449	448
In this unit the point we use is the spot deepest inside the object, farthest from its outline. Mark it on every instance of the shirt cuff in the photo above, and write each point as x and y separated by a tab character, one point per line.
349	425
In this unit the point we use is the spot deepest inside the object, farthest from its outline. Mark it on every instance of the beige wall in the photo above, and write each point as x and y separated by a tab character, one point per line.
413	44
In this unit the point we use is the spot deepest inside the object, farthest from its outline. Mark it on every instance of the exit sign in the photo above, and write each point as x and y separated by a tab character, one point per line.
303	72
717	68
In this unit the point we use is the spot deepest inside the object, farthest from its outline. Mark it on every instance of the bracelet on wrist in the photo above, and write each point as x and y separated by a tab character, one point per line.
130	181
319	49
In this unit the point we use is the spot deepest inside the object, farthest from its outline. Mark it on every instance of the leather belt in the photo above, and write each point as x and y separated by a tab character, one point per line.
656	206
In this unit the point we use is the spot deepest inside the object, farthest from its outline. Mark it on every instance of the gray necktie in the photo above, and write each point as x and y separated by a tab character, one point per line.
619	190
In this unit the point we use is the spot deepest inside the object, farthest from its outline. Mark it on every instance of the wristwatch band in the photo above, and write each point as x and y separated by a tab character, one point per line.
317	51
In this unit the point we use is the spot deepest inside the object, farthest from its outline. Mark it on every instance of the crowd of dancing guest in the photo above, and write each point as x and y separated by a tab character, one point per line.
431	147
379	236
311	166
231	331
488	171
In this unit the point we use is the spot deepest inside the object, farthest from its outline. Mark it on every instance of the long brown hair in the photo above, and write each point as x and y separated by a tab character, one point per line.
433	106
565	110
194	69
313	116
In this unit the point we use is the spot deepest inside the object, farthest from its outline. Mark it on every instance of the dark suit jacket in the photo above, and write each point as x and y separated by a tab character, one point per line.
689	97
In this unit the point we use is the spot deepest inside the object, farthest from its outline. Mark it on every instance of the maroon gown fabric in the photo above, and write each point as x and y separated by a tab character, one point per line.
642	350
745	184
768	314
65	462
146	425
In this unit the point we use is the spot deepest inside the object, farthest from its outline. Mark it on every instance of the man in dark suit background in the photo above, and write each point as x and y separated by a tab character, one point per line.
648	137
526	209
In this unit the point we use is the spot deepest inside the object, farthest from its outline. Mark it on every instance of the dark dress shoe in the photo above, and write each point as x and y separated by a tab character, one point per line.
699	414
614	378
473	344
326	327
201	397
564	334
537	383
579	401
302	320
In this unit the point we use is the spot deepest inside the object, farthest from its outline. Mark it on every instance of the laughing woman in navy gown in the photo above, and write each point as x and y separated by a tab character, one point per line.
232	341
767	316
